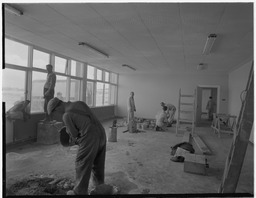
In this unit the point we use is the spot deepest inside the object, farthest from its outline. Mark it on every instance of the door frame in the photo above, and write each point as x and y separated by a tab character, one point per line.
218	95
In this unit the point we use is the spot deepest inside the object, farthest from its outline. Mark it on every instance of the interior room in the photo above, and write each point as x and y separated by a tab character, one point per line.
170	82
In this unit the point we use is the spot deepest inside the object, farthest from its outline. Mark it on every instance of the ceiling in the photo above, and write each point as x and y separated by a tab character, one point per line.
151	37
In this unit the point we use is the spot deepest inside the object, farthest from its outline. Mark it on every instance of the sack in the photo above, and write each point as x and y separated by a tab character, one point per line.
185	145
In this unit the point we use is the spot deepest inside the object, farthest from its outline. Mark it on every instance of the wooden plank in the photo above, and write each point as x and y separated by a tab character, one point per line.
195	164
201	145
186	137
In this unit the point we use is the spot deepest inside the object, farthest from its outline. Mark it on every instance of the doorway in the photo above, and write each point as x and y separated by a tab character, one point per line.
203	94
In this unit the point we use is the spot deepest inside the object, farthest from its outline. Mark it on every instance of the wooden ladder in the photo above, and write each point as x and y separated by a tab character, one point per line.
235	158
186	108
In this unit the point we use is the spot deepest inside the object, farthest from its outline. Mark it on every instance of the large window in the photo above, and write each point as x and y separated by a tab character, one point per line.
37	97
99	94
60	65
25	74
16	53
40	59
89	93
90	72
13	89
75	90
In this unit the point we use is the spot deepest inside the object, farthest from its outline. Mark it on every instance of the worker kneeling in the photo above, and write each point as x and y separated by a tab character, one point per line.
161	120
83	126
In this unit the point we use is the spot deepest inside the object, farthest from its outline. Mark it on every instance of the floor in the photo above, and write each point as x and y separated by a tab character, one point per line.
138	163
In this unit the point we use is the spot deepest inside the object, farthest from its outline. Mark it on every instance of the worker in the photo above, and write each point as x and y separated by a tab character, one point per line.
49	89
210	108
170	112
18	111
161	120
90	135
130	108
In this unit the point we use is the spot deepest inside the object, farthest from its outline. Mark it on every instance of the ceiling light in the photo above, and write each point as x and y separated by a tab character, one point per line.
124	65
209	43
13	10
93	49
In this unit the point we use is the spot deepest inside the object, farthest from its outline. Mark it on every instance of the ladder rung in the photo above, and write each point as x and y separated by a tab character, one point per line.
187	95
185	120
184	103
182	111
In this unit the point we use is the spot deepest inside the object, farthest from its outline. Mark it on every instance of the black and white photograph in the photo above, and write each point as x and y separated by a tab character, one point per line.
128	98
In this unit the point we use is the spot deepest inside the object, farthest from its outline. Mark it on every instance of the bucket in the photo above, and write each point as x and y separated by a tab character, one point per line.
112	134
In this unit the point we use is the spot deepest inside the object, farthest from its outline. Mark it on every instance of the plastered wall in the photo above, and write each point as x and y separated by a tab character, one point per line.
152	88
237	83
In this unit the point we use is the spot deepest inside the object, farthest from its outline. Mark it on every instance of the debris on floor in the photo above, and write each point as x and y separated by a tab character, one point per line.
42	185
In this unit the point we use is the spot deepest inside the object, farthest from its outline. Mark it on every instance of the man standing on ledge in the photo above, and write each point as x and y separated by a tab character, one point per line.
49	89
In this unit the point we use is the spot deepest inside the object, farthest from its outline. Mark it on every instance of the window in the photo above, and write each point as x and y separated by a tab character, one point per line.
99	94
113	78
13	87
106	76
76	68
16	53
40	59
112	94
89	93
75	90
99	74
90	72
106	94
37	97
60	65
61	87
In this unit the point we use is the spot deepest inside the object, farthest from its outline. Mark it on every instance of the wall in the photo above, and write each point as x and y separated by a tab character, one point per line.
152	88
237	83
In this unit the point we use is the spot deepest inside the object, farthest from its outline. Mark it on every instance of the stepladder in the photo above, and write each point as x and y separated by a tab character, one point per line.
186	112
235	158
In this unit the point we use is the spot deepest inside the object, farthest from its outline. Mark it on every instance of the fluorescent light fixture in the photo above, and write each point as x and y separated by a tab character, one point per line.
125	65
93	49
209	43
13	10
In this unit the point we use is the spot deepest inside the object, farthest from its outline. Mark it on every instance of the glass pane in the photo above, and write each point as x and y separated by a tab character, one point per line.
112	94
99	94
113	78
60	88
106	94
89	94
13	87
74	90
40	59
16	53
60	64
37	98
99	74
76	68
90	72
107	76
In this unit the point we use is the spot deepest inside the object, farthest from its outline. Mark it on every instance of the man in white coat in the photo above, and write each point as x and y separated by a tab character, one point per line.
130	107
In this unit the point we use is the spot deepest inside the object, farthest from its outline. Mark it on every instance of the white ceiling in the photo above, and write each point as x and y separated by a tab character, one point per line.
150	37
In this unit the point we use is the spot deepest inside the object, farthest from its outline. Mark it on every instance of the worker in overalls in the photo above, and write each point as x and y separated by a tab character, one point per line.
170	112
130	107
90	135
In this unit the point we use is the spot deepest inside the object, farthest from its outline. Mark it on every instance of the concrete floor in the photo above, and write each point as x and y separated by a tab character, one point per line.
138	163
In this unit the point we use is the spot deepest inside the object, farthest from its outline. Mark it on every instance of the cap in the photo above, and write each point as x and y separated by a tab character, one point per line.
52	104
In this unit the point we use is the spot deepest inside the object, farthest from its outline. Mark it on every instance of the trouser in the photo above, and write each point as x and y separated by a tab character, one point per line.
90	159
130	116
171	115
47	99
